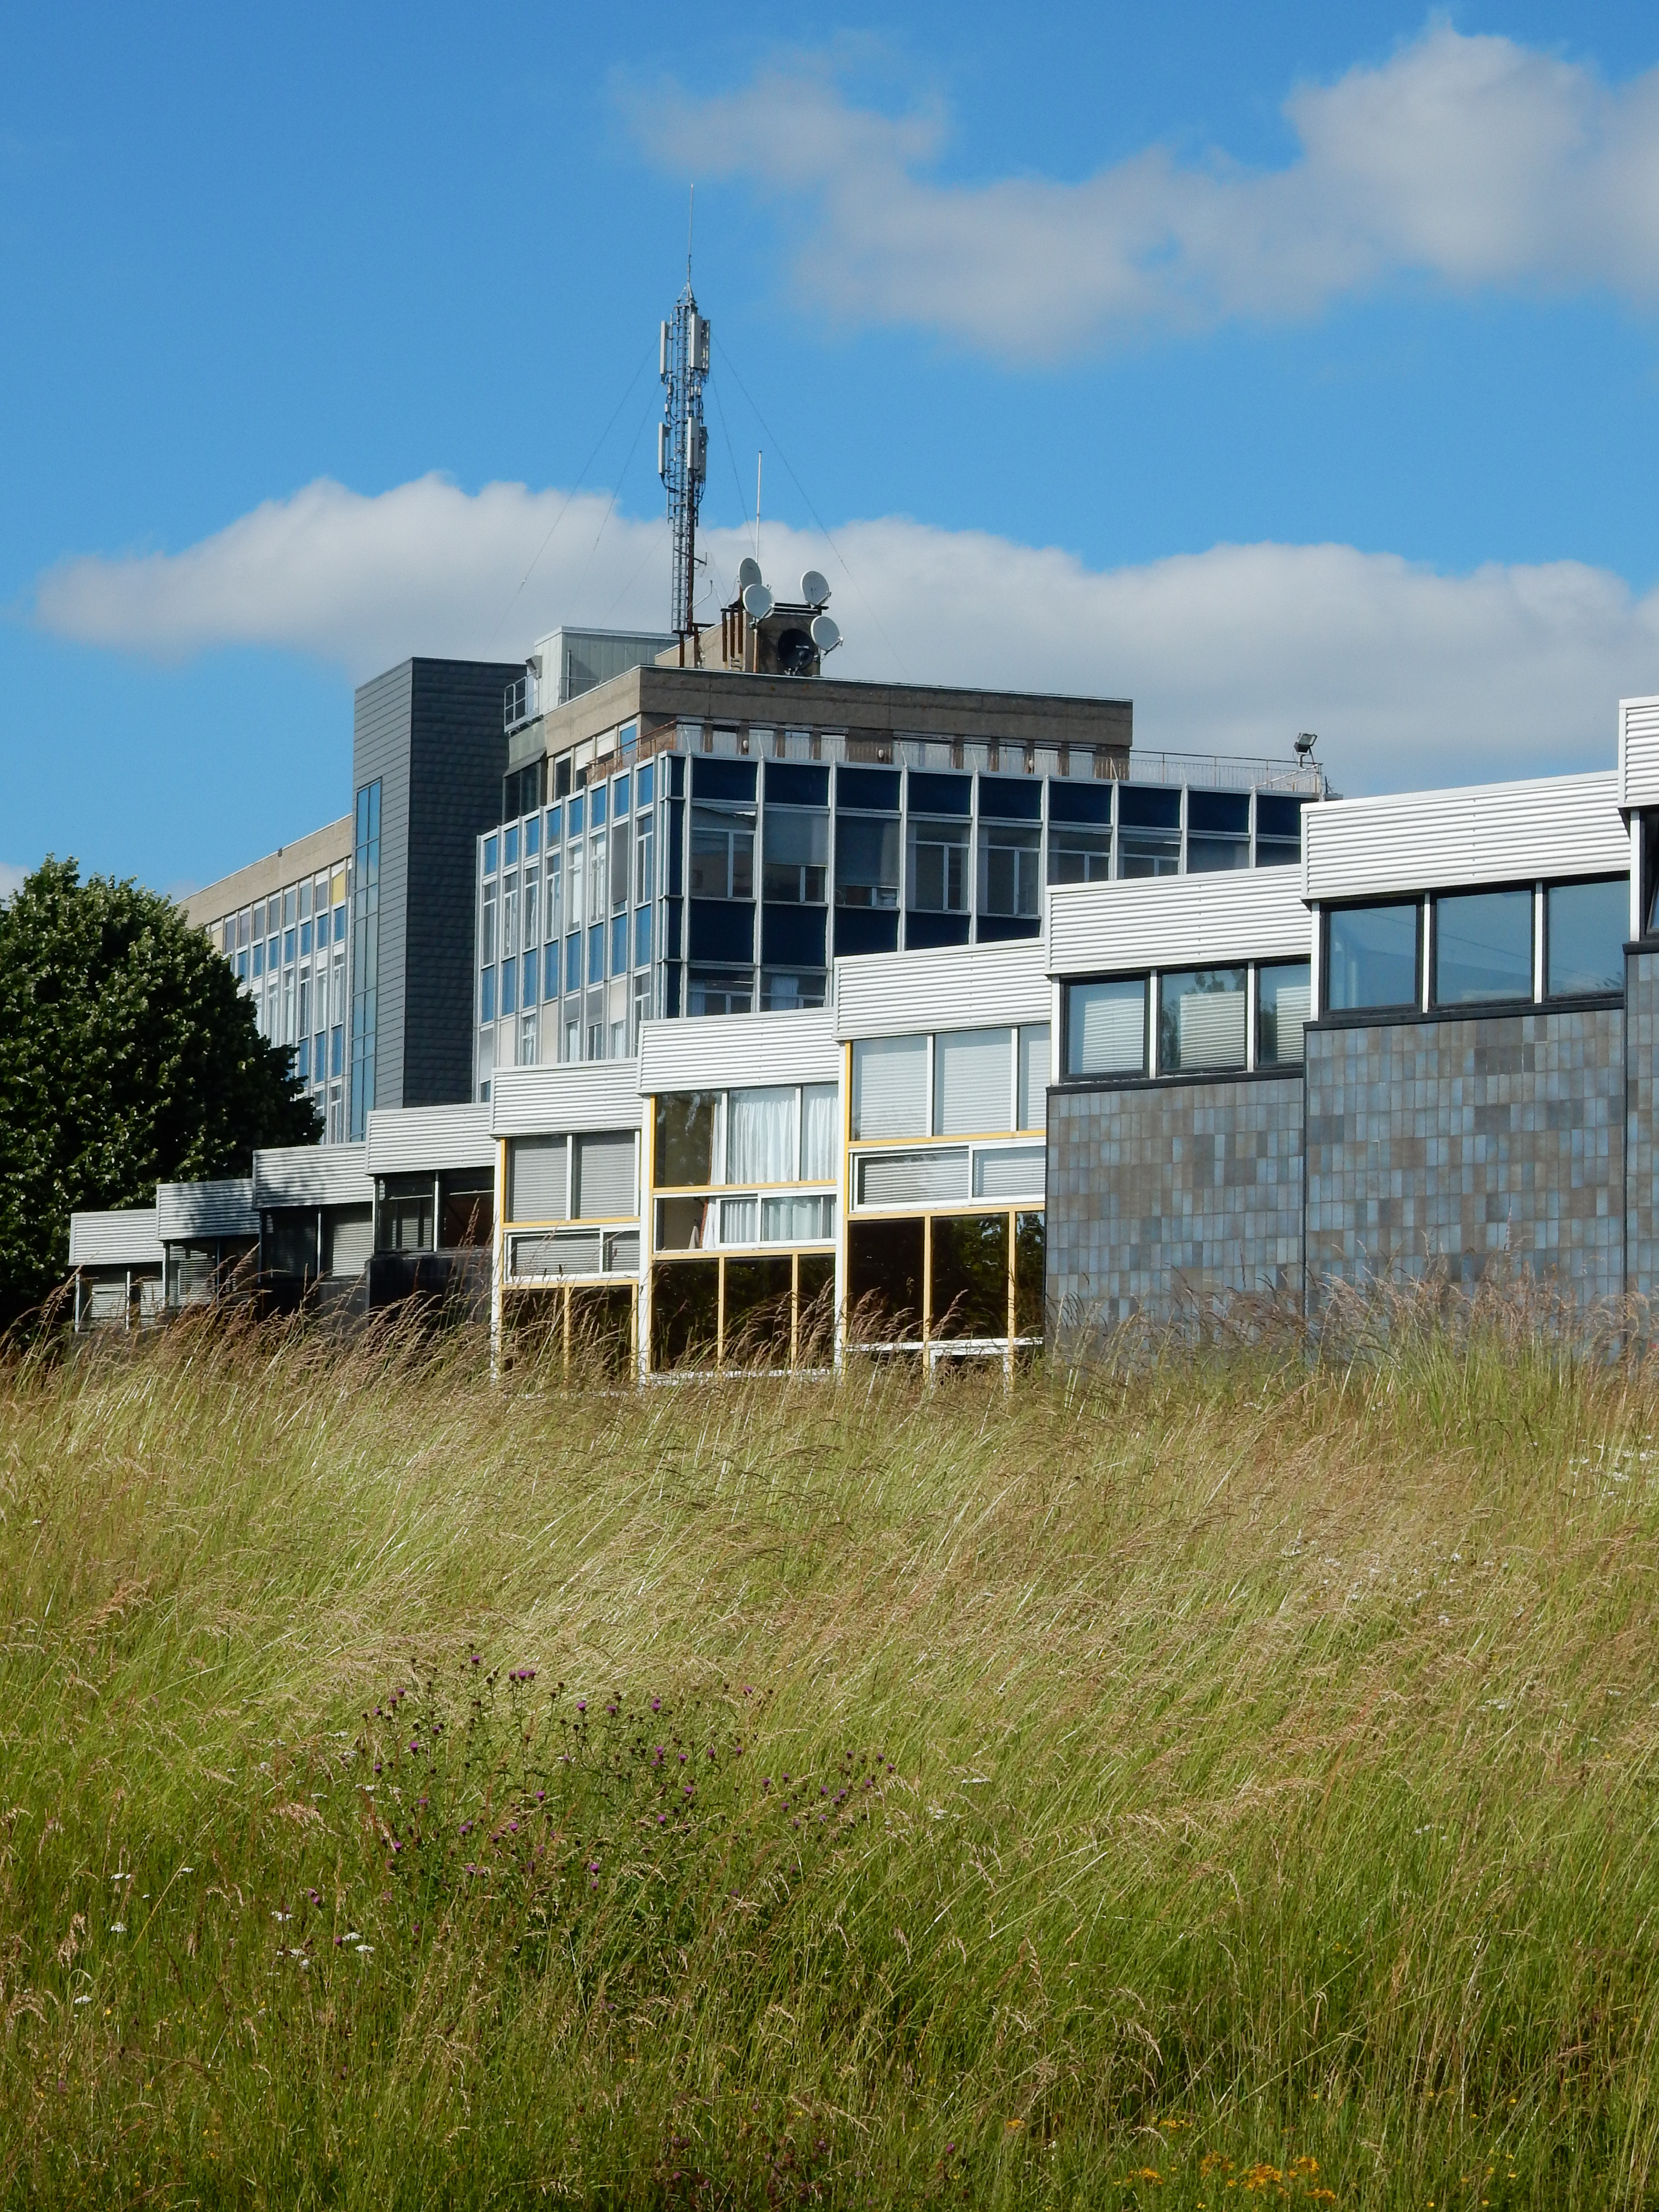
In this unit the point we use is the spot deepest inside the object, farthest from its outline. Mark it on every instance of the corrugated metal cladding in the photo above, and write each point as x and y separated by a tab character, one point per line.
712	1052
601	1094
128	1239
1639	752
435	1137
1559	825
967	987
188	1210
313	1175
1178	921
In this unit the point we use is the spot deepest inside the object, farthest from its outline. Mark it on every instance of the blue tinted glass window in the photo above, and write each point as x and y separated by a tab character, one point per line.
490	856
337	1051
532	834
618	943
340	924
596	956
642	938
304	938
555	825
550	978
619	796
574	826
597	795
486	995
259	958
1373	957
1482	946
305	1060
573	962
1584	931
288	944
532	969
646	777
510	986
511	842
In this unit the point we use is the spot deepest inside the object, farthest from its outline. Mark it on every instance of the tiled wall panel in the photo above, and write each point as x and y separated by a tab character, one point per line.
1642	1104
1169	1197
1451	1143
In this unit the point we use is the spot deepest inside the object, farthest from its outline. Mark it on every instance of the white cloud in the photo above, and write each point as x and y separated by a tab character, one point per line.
1411	677
1468	162
11	879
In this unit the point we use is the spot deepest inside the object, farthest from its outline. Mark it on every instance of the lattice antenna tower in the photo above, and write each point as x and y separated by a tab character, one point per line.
682	445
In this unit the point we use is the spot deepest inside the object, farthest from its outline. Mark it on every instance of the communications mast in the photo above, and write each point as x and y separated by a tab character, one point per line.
683	447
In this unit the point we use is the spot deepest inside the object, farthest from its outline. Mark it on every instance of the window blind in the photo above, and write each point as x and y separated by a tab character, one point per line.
535	1179
973	1081
602	1185
933	1178
1017	1172
890	1087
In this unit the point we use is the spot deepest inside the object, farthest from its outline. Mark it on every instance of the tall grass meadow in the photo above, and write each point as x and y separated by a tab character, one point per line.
1211	1774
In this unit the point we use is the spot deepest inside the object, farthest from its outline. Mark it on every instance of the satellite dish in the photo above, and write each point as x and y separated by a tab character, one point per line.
826	632
757	600
748	572
815	588
796	652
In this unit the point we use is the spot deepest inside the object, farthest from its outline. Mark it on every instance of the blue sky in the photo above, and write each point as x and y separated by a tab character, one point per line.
1280	368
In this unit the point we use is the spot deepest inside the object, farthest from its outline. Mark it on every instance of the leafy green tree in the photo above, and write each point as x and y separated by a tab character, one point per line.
128	1057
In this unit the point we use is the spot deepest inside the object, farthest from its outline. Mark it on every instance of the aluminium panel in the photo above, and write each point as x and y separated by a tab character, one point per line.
1558	825
1178	921
403	1141
313	1175
601	1093
712	1052
1639	752
124	1238
188	1211
966	986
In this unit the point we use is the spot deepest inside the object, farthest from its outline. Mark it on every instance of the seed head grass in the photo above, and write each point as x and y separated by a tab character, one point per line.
1210	1776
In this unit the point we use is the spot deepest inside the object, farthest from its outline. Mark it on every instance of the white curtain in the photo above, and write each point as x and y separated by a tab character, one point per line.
760	1144
818	1133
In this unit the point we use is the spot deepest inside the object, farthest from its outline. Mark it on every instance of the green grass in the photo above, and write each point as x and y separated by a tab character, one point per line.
1234	1771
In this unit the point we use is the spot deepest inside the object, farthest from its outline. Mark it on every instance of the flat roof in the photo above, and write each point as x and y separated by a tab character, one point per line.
305	856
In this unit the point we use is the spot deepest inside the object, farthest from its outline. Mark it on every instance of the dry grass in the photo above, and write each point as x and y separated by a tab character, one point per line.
1224	1775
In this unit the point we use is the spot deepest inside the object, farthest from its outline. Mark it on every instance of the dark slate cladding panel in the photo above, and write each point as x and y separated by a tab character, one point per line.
379	751
1445	1146
431	731
1642	1105
460	748
1168	1199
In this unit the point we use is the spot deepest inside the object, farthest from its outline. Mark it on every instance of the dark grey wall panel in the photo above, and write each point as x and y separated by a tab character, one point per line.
1642	1128
1446	1145
1171	1199
431	731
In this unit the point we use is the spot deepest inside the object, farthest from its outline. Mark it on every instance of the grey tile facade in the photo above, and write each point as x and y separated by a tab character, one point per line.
1166	1199
1448	1143
1642	1104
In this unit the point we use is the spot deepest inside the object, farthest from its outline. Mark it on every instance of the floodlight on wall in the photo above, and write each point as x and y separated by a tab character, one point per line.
1305	742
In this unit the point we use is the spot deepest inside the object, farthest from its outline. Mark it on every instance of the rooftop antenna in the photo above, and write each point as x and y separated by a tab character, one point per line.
759	457
681	441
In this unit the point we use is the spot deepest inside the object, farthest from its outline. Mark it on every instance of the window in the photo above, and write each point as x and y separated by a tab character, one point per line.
796	1220
510	913
1217	831
1148	831
596	806
596	906
641	1005
533	837
938	864
973	1082
1202	1020
1009	854
684	1139
970	1287
510	986
885	1265
468	1210
783	990
532	915
620	838
619	960
406	1213
1284	1002
890	1087
1482	946
488	869
797	855
527	1035
682	1224
867	861
761	1143
574	892
1372	956
1585	926
720	990
537	1179
530	976
487	929
602	1175
1077	853
642	936
486	997
573	964
619	799
722	852
1031	1108
596	958
819	1132
554	897
1106	1027
645	846
1277	830
510	846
